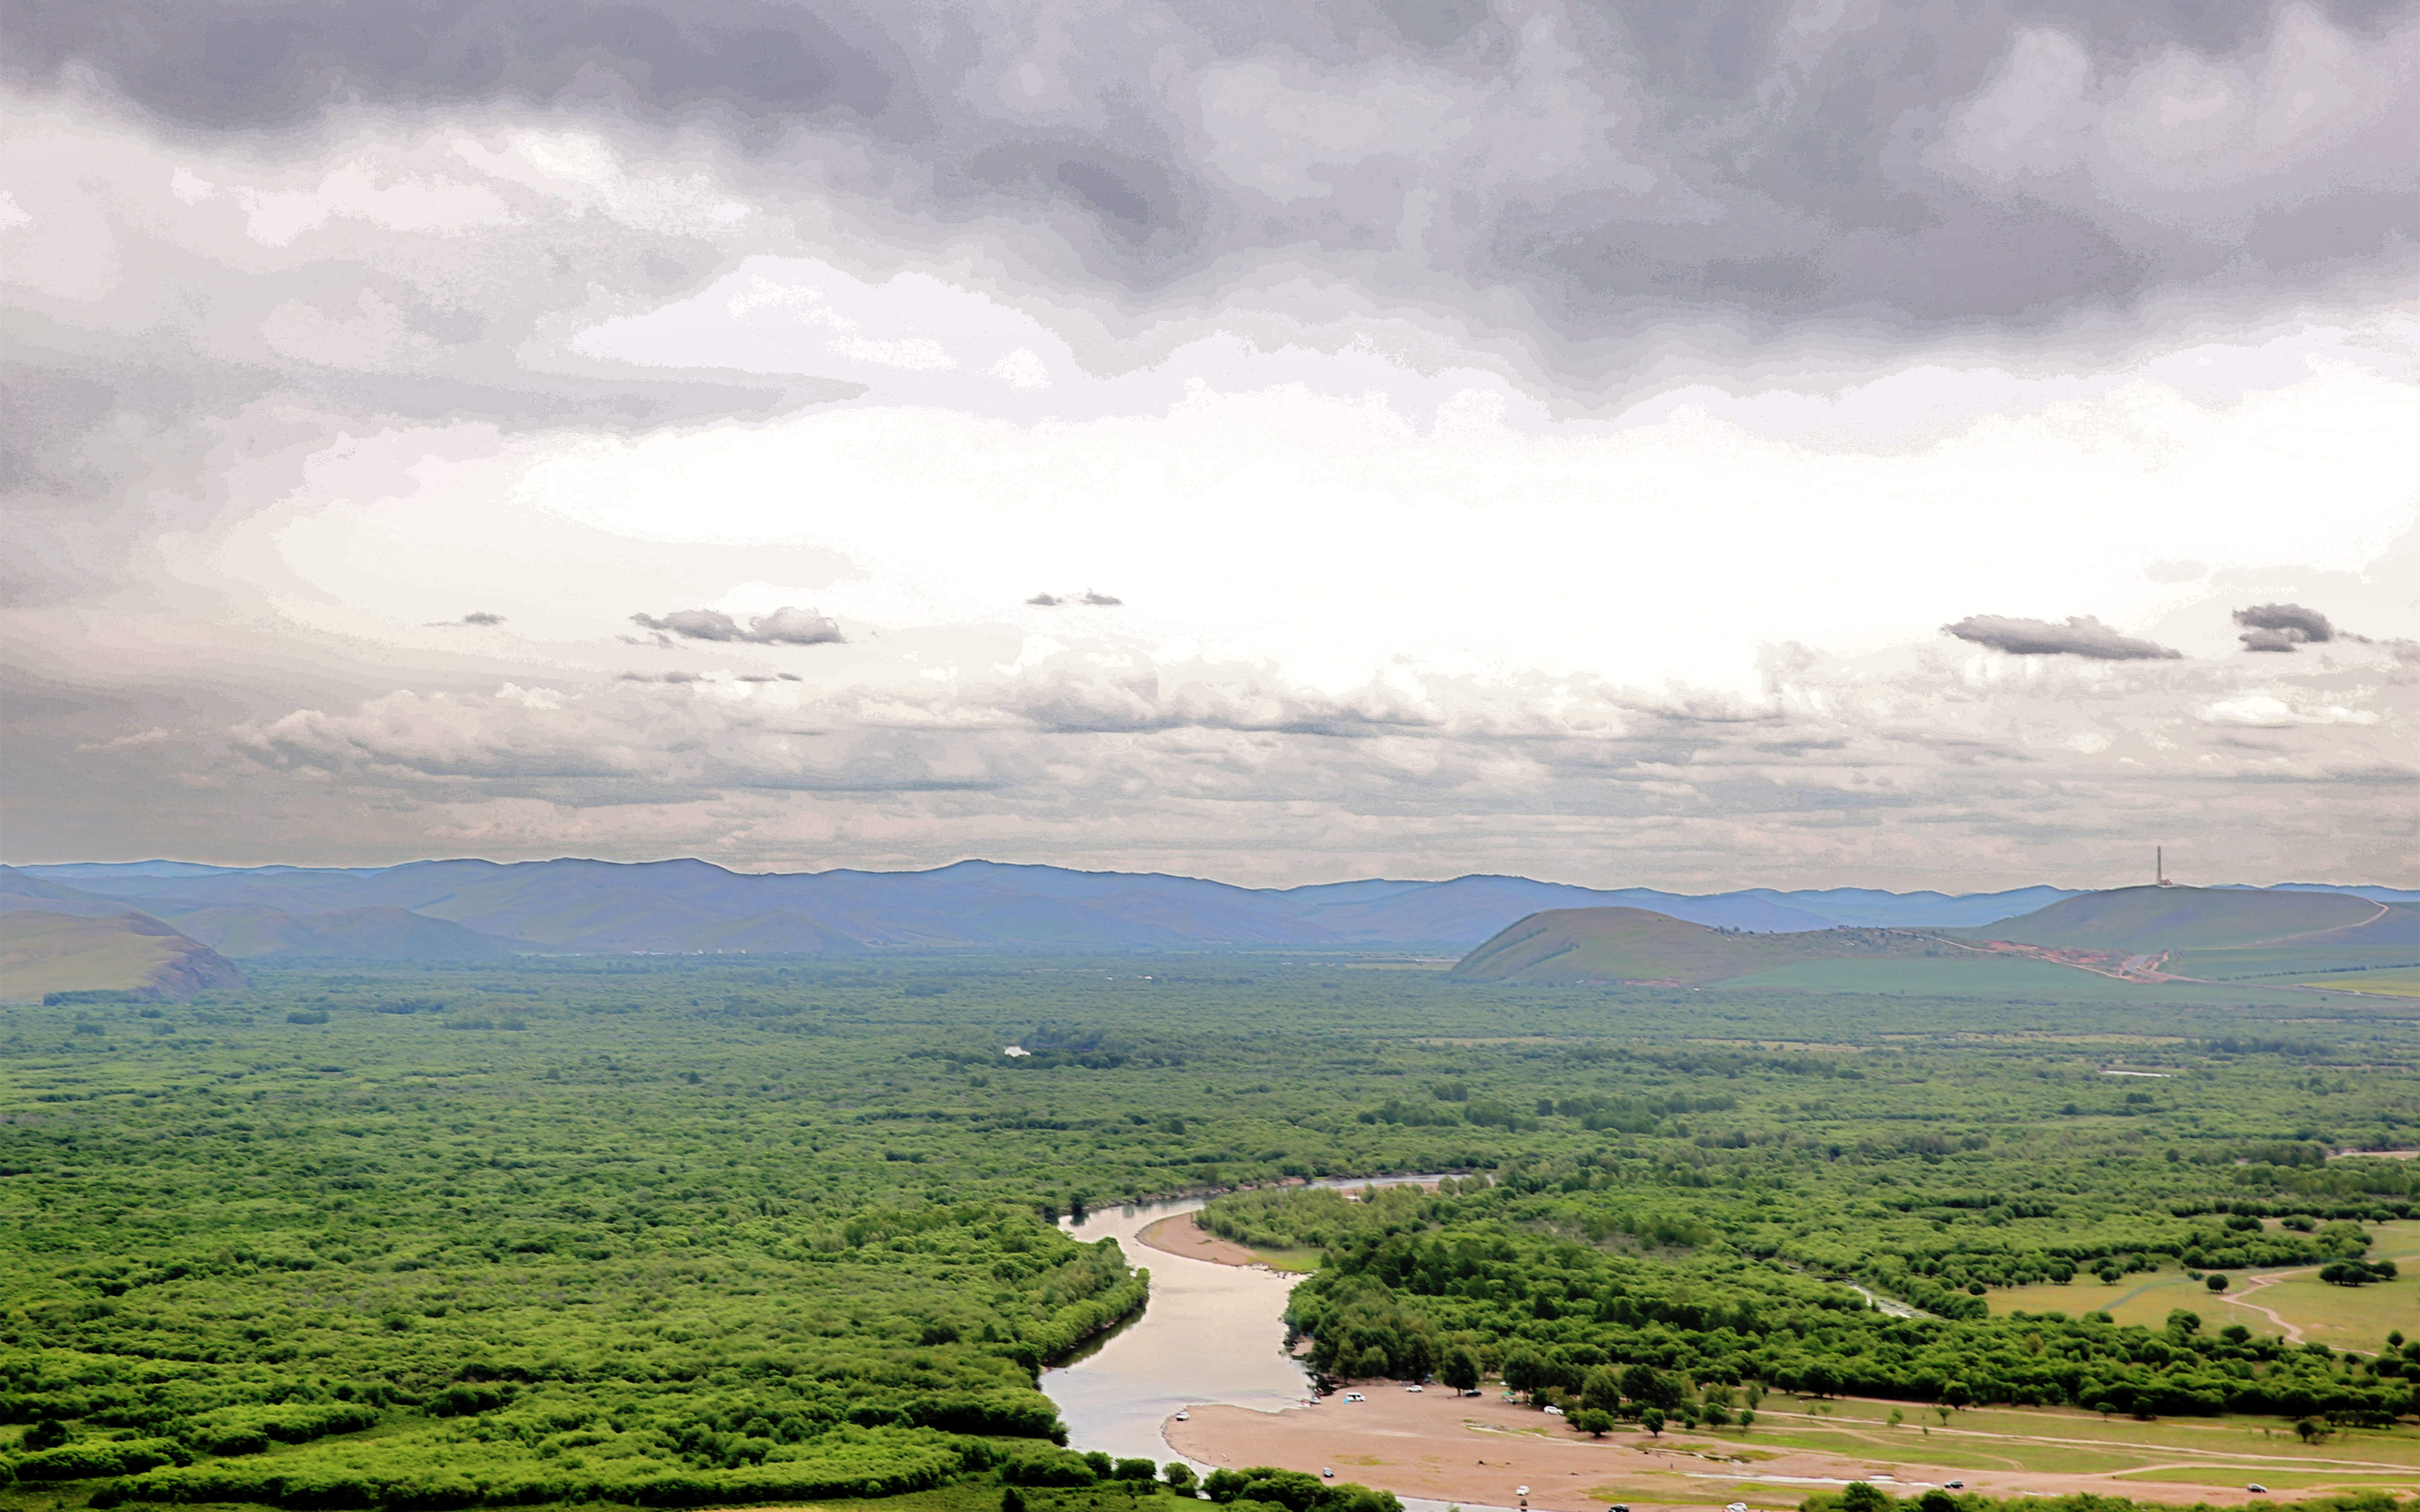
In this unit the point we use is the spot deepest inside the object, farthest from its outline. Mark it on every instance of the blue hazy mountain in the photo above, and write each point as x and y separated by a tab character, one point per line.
487	907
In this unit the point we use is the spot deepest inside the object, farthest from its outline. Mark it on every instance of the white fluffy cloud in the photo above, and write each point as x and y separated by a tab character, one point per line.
2016	768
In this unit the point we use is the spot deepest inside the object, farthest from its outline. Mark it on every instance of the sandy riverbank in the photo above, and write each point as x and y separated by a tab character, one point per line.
1480	1449
1180	1235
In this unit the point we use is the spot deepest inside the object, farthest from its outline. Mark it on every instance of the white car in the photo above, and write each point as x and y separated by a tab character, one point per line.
1411	1388
1554	1412
1735	1506
1355	1396
2257	1489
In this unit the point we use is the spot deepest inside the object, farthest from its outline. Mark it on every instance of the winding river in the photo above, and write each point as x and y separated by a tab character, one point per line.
1210	1334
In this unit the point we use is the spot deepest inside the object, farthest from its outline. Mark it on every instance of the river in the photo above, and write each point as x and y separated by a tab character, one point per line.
1210	1334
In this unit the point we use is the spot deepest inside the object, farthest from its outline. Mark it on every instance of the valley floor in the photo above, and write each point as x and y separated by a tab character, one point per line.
1481	1450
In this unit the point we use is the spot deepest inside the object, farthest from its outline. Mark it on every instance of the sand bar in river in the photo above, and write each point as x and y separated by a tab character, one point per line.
1180	1235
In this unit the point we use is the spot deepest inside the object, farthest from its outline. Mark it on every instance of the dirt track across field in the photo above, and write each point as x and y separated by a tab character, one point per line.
1480	1450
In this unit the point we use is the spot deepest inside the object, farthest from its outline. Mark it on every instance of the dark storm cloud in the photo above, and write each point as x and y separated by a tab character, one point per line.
1776	160
2282	626
784	627
2080	635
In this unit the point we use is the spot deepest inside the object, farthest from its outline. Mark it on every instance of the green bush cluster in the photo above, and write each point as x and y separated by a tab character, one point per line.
1419	1276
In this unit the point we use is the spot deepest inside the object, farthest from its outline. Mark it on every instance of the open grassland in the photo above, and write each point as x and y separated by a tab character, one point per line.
2293	1303
2344	1317
1948	976
2224	1451
2295	963
1299	1261
2400	983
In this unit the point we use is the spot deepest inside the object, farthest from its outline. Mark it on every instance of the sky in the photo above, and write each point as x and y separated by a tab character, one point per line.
1756	443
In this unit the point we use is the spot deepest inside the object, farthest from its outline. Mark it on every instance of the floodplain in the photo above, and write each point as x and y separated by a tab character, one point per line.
699	1230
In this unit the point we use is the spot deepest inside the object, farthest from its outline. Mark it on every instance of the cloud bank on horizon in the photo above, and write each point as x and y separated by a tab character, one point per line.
1794	442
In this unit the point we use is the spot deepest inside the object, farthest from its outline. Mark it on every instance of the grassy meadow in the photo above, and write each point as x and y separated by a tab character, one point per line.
2293	1303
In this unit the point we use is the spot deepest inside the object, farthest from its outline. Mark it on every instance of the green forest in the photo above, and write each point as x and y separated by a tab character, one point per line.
667	1231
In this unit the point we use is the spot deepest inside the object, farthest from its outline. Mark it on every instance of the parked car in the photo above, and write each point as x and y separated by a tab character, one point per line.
1735	1506
1955	1485
1411	1388
1618	1507
1326	1474
2257	1489
1355	1396
1554	1412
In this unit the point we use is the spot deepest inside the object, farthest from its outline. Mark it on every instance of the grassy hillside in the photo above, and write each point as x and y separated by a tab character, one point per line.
251	933
2184	919
129	953
1614	945
1957	975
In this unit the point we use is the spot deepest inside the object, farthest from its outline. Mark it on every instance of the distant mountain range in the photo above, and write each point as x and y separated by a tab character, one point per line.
2141	936
472	909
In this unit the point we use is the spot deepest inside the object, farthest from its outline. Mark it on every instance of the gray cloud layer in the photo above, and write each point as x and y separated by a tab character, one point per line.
2081	636
262	235
1773	158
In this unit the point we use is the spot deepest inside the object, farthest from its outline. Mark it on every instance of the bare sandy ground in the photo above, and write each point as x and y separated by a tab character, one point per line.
1181	1236
1481	1450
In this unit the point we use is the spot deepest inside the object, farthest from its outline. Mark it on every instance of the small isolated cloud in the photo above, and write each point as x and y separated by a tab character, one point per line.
1046	601
147	737
478	617
1088	599
2081	636
661	677
1100	600
2282	626
784	627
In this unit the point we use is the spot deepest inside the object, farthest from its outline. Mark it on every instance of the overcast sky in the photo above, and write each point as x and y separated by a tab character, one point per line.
1784	442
